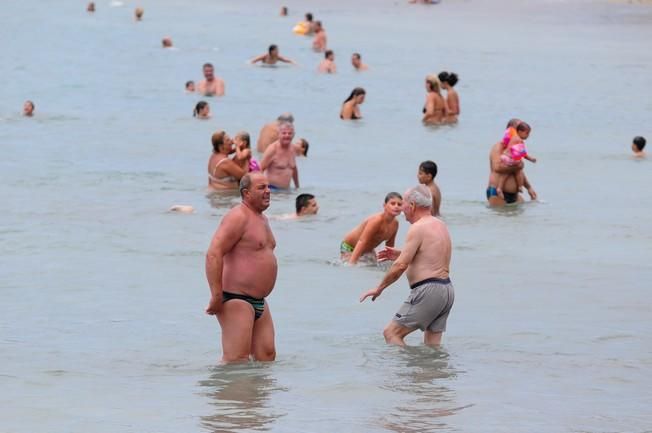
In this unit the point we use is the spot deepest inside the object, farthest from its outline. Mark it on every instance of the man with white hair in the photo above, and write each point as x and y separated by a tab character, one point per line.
279	162
269	132
426	257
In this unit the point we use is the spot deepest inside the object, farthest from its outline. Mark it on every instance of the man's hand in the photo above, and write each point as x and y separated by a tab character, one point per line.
374	293
214	305
388	253
533	194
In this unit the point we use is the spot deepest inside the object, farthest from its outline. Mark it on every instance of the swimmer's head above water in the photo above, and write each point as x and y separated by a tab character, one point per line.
202	110
306	204
358	94
433	84
138	13
222	143
190	86
166	42
28	108
427	172
638	144
285	118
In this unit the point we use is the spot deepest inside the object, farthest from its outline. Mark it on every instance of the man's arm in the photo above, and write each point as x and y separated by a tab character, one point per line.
364	244
219	87
295	175
412	245
226	237
286	60
257	59
267	157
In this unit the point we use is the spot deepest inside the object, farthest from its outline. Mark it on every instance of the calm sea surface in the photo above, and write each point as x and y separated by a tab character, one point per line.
102	291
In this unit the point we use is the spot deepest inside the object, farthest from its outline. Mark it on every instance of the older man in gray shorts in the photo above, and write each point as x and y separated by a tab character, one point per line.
426	257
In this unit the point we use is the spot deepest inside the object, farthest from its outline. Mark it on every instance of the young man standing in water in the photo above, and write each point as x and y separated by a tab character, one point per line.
426	176
362	240
241	272
426	257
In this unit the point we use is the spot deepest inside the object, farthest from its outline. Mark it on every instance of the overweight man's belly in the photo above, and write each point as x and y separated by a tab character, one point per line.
253	274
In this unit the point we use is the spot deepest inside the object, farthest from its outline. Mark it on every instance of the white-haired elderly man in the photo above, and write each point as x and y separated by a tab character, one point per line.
426	257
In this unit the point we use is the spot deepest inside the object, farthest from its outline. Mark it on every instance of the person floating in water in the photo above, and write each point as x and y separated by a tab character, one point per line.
271	57
378	228
638	144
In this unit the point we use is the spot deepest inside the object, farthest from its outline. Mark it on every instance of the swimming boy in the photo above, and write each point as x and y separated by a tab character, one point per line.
362	240
638	144
426	176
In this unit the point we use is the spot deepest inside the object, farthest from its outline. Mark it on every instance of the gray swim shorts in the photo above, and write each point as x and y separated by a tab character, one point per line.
428	305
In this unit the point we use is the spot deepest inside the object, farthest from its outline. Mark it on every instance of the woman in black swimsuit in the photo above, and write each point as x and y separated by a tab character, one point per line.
351	107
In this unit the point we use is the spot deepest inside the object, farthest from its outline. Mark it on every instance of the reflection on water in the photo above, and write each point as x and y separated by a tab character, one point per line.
420	375
240	395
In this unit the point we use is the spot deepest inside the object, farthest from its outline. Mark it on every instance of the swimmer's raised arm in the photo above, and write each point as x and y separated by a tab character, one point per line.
258	59
286	60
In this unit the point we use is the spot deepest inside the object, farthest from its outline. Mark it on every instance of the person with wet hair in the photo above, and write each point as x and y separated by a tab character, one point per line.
356	61
378	228
190	86
28	108
448	82
327	66
638	144
271	57
426	176
351	106
138	13
301	147
306	204
202	110
166	42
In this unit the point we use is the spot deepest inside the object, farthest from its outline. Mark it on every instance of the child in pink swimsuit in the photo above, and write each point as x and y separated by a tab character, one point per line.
514	151
242	142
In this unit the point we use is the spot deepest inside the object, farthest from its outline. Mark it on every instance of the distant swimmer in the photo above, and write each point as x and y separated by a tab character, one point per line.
514	151
497	168
166	42
435	110
448	82
351	106
182	208
356	61
279	163
426	257
202	110
327	66
269	132
28	109
190	86
241	271
320	41
223	172
378	228
301	147
284	11
90	8
138	13
272	57
306	27
638	144
210	85
426	176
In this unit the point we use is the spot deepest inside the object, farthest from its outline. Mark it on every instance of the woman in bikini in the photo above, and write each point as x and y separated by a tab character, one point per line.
435	110
351	107
224	173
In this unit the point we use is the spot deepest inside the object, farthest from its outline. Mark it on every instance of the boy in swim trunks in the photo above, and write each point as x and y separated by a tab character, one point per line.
513	153
362	240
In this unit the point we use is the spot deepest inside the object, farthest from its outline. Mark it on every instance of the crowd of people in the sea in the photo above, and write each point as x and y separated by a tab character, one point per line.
241	267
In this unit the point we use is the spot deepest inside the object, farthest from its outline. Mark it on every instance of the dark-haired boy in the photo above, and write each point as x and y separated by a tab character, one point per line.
426	176
638	144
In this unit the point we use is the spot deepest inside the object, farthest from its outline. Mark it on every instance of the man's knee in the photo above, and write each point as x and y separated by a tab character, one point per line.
233	358
390	333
